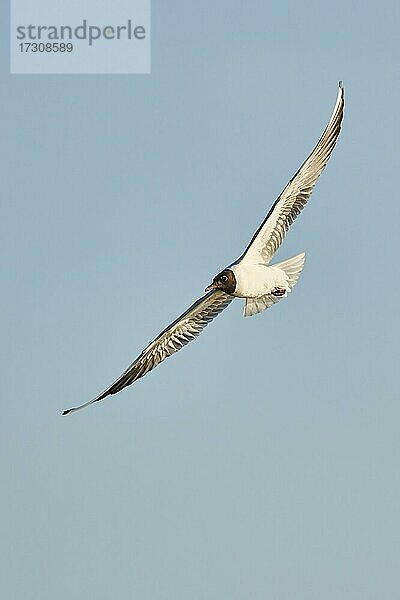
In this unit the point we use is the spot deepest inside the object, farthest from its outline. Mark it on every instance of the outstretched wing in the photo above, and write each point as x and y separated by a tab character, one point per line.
294	197
173	338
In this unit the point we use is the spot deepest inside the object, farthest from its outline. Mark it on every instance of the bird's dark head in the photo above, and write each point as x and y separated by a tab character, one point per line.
225	281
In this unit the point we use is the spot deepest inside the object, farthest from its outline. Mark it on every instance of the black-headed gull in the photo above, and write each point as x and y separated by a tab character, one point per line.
250	277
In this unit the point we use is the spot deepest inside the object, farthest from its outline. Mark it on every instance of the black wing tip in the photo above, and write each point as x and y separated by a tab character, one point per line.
66	412
341	84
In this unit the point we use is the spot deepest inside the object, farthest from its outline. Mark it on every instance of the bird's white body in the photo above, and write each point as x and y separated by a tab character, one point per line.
258	283
253	281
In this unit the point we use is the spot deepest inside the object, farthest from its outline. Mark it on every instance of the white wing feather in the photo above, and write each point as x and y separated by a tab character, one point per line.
182	331
294	197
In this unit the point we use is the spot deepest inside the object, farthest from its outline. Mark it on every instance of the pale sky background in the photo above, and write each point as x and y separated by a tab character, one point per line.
262	461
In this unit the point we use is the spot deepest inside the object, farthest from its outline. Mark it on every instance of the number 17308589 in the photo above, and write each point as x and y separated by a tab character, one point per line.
46	47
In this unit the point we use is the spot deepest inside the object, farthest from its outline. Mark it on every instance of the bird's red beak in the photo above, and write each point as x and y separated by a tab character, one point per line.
210	287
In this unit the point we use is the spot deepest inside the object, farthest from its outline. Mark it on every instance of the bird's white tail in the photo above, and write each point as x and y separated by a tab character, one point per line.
292	267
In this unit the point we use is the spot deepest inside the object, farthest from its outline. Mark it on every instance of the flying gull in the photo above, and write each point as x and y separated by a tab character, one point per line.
250	276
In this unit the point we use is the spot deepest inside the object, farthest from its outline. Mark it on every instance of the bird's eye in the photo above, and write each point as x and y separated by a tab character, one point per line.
224	278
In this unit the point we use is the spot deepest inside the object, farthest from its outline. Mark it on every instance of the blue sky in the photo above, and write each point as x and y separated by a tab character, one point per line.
261	461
